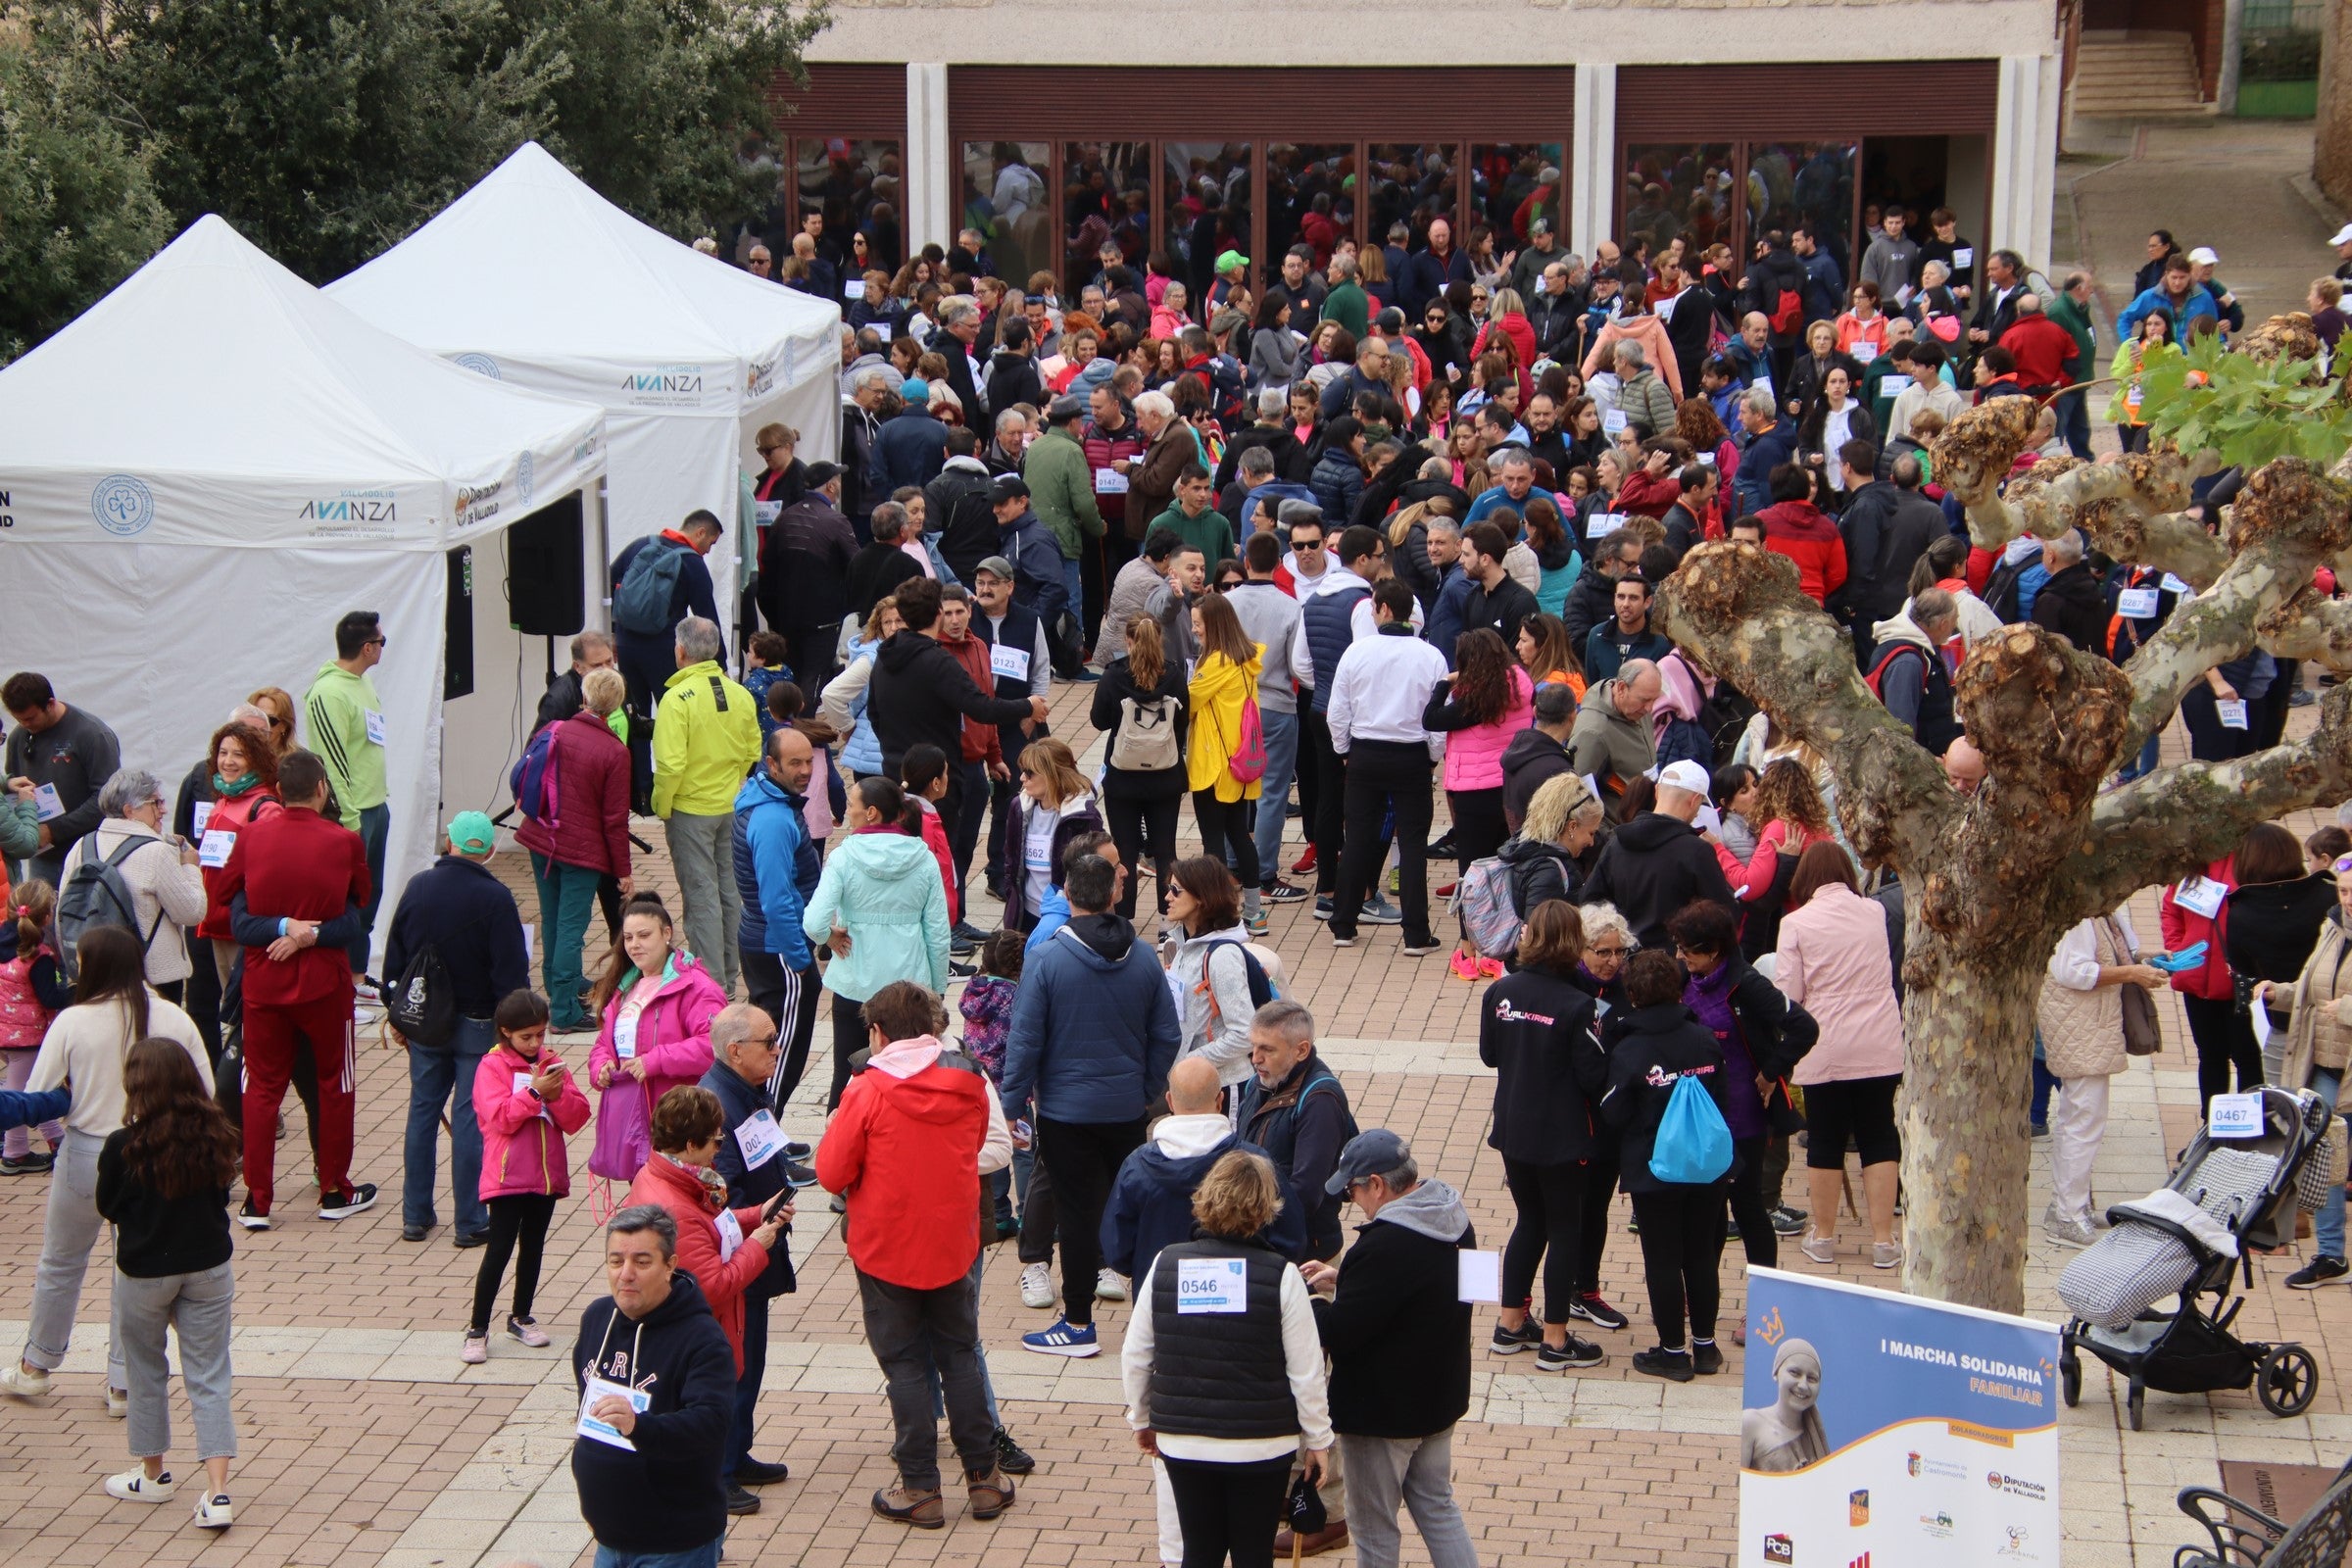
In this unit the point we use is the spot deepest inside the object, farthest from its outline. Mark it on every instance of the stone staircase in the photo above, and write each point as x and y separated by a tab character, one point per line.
2135	76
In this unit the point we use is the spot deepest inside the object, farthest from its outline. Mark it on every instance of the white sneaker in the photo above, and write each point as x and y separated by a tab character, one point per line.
1108	1287
118	1403
213	1512
138	1485
2075	1233
14	1379
1037	1285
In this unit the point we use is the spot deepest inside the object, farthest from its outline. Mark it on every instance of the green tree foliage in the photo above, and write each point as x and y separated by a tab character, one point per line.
77	211
2247	408
327	131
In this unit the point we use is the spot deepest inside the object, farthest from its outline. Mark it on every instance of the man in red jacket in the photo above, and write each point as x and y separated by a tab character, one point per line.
298	869
905	1151
2041	348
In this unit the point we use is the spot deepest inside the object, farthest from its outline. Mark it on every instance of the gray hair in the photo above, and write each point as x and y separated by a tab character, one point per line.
129	789
1756	400
1343	264
2067	547
889	523
735	1022
1444	524
638	1218
1271	400
1436	468
957	309
1011	419
1629	352
1515	458
1256	459
698	640
1287	1018
1158	404
1932	607
1938	269
1602	919
1405	1178
248	715
603	691
872	376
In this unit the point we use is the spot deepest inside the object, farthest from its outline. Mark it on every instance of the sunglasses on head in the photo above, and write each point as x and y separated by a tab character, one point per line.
2343	864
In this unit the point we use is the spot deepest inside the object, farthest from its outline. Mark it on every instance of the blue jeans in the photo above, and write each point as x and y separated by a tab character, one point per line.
375	825
1281	764
2144	763
2328	1228
2074	424
435	1071
702	1556
566	897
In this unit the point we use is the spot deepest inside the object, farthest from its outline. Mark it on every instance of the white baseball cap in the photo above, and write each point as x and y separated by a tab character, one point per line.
1685	775
2203	256
2343	236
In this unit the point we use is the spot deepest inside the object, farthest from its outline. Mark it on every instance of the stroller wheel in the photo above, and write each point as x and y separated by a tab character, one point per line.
2070	1378
2289	1380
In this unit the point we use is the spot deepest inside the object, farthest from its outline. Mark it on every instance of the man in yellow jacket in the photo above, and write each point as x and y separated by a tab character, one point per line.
706	738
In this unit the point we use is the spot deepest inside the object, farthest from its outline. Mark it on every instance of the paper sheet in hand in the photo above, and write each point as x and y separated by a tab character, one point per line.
1708	820
47	804
2260	1016
1478	1276
601	1431
730	1233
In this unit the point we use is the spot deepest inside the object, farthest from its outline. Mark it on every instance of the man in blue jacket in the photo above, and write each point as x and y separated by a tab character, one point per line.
652	1367
776	871
1770	441
1152	1204
2178	295
460	909
1093	1034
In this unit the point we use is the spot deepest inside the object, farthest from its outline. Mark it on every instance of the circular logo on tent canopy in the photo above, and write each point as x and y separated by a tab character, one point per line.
123	505
523	477
479	365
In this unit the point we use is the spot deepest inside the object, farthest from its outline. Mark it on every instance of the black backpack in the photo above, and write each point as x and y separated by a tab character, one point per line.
419	1002
96	893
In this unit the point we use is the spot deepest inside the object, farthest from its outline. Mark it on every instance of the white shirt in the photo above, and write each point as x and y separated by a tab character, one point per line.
1380	689
1836	428
2075	965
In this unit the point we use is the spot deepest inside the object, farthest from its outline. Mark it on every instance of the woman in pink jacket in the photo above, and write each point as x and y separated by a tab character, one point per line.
1486	700
526	1102
655	1003
1834	962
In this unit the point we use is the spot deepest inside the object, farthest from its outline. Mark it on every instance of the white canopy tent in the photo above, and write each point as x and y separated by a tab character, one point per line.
535	279
213	464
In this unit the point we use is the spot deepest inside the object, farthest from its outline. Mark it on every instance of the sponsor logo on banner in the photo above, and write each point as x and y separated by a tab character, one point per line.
478	502
2017	1488
351	506
665	386
1939	1526
762	379
2018	1546
1862	1561
124	505
1857	1508
1779	1549
587	447
524	476
479	365
1912	1463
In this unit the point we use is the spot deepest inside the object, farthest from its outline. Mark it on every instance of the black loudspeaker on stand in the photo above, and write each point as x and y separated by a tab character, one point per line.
546	584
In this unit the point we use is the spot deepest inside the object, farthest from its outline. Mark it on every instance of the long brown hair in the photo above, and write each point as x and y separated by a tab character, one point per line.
616	962
1221	632
113	968
177	1143
1147	659
1483	688
1554	650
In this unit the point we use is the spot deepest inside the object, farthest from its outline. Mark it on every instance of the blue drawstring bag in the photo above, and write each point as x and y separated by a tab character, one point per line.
1694	1147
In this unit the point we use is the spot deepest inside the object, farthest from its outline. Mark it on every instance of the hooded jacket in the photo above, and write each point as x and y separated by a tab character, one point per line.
921	693
1592	600
2072	602
1808	536
666	1494
1539	1031
1013	379
1914	686
1396	1328
462	909
1539	872
1532	760
1652	866
1212	974
1657	352
523	1135
1886	529
1150	1202
1474	752
335	711
1660	1045
2183	927
959	516
1080	814
1219	690
1061	490
1606	742
904	1151
805	570
1095	1029
883	886
673	1031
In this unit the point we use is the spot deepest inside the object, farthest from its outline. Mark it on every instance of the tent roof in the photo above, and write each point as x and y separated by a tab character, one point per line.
213	363
533	264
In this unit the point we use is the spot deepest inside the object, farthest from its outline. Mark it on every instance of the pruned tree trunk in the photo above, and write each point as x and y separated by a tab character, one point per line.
1993	880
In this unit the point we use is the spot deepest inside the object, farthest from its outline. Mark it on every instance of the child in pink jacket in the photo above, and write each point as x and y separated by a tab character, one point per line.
527	1102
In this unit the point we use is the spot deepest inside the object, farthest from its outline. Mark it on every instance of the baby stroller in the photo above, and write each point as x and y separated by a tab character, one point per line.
2189	1239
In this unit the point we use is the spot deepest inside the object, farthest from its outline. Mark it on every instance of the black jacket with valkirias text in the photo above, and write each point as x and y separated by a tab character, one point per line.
666	1495
1661	1045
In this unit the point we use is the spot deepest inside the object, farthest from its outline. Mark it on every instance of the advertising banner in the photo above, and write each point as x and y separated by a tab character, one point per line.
1883	1431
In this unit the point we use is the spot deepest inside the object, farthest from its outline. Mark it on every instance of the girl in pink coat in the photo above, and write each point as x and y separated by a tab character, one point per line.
656	1001
526	1102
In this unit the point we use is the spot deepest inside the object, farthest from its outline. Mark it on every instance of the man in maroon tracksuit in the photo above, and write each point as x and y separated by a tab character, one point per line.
299	870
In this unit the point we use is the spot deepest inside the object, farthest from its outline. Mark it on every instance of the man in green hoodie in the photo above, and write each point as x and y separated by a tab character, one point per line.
1061	492
2069	308
346	722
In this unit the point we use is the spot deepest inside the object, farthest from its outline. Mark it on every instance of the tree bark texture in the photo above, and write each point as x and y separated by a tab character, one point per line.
1993	881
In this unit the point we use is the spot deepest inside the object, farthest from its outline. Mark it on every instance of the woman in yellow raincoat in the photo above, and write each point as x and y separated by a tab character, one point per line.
1224	693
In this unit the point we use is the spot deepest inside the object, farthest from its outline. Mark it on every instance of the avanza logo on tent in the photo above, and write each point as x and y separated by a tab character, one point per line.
665	378
350	509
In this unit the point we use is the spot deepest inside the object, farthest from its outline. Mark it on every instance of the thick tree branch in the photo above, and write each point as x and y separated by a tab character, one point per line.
2212	629
2177	820
1737	611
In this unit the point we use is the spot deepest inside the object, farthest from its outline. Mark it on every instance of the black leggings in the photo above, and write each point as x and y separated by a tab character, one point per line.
517	1217
1682	1248
849	1038
1229	1510
1593	1225
1134	825
1479	829
2225	1040
1749	1208
1550	1200
1223	821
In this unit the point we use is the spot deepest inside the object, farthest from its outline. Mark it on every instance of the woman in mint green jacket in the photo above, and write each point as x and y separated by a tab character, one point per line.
881	910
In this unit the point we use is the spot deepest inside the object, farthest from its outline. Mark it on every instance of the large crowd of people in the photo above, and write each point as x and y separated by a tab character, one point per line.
1325	555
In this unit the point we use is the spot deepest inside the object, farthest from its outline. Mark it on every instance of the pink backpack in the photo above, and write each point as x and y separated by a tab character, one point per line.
1248	764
